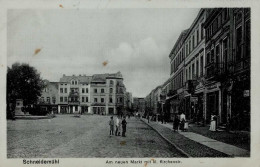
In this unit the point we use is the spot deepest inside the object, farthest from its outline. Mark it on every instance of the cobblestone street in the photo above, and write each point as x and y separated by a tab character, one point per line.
88	136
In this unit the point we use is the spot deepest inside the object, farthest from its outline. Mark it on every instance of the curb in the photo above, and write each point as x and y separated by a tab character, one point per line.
174	145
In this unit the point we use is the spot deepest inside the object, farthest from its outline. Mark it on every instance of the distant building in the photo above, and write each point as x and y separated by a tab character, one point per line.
139	104
96	94
49	96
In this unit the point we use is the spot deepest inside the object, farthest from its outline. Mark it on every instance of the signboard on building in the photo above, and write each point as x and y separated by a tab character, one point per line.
246	93
194	99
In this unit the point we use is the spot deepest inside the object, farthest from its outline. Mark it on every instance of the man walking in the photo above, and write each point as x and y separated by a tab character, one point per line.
117	125
124	127
111	124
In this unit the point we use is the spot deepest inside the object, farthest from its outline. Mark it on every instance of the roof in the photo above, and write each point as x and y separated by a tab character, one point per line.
81	79
94	78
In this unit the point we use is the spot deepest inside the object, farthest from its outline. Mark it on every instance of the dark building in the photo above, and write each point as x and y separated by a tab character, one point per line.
228	65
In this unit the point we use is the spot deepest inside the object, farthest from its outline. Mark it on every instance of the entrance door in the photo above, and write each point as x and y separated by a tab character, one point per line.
71	109
212	105
224	109
111	111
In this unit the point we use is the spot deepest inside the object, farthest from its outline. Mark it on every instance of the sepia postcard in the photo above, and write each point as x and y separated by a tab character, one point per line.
129	83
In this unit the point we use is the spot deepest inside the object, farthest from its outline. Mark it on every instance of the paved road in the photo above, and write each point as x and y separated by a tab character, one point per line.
66	136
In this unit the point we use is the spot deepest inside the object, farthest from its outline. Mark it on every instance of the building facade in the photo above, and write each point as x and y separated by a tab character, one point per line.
210	69
49	97
228	64
97	94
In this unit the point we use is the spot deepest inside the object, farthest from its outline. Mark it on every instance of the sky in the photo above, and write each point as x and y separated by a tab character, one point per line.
136	42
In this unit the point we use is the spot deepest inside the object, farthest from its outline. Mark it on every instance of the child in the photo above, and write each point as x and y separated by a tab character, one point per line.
111	123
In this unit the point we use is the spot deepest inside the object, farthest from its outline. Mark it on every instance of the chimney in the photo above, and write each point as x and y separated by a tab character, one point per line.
80	75
64	75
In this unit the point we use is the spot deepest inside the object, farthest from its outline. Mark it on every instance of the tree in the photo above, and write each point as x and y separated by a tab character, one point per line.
23	82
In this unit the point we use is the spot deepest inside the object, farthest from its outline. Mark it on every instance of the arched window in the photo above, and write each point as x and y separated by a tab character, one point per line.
72	82
111	90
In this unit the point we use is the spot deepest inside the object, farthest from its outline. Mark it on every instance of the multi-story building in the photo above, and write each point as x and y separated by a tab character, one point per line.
49	96
187	63
194	69
139	105
228	63
97	94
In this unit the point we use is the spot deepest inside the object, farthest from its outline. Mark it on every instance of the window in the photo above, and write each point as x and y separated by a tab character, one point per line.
111	90
197	68
65	90
53	100
217	54
212	55
95	90
61	99
76	82
82	99
83	90
201	33
86	99
201	65
239	43
102	100
247	39
208	58
189	73
61	90
48	99
110	100
72	82
65	99
225	14
193	41
86	90
198	36
95	100
190	46
76	108
219	20
193	71
102	91
111	82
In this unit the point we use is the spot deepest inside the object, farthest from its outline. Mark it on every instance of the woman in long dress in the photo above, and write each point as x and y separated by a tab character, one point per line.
212	123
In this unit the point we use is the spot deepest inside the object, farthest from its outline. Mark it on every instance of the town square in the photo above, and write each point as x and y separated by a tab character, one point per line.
128	84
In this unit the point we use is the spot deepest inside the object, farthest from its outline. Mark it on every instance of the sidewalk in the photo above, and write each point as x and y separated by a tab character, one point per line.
219	149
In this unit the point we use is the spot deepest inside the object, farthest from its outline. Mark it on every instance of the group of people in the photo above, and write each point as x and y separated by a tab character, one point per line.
116	125
180	122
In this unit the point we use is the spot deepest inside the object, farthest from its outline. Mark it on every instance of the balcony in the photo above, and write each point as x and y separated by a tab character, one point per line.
216	71
74	94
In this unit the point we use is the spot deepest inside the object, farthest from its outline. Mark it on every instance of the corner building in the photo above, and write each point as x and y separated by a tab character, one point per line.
97	94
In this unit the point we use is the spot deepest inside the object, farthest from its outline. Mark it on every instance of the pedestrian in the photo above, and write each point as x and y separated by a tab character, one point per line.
117	125
176	123
213	123
111	124
124	127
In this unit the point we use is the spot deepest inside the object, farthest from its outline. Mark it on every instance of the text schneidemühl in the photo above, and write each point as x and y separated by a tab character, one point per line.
41	161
